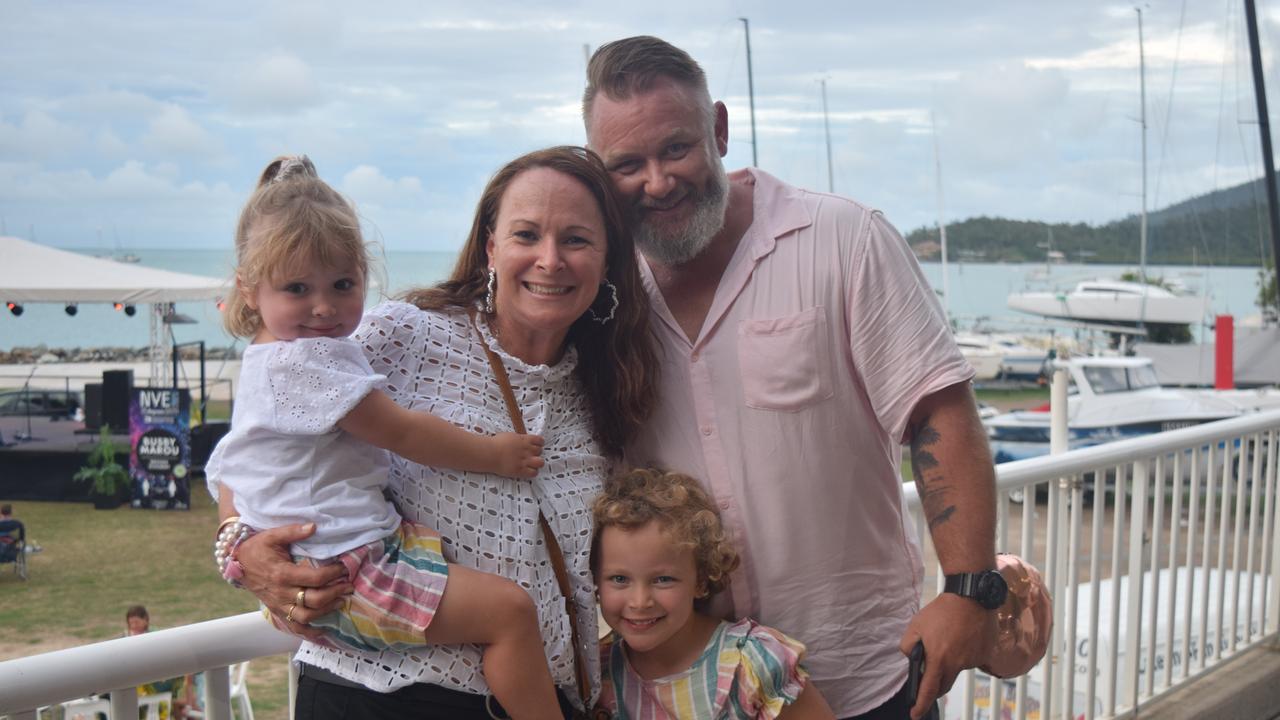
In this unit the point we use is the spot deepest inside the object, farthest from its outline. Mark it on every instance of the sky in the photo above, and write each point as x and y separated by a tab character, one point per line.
145	124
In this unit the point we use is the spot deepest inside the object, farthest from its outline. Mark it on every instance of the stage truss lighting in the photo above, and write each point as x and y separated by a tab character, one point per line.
71	309
14	308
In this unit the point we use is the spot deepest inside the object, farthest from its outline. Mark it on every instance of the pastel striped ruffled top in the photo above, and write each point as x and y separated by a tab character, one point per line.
747	671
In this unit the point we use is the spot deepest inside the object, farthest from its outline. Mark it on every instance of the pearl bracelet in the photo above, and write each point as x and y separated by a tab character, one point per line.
231	533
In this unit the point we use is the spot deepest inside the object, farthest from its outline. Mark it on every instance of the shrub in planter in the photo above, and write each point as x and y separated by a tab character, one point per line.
107	479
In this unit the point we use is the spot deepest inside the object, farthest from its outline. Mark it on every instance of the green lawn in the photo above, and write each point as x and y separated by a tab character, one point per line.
1014	397
96	563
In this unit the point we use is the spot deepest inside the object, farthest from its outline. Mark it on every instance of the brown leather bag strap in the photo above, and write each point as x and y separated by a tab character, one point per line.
548	537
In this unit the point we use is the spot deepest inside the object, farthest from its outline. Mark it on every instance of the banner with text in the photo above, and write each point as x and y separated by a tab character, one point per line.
160	435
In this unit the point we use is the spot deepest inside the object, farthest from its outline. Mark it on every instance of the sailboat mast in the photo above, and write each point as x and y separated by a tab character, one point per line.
942	225
1142	230
751	92
826	126
1264	128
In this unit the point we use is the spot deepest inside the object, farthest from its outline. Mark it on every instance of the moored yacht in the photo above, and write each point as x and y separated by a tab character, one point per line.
1112	398
1115	302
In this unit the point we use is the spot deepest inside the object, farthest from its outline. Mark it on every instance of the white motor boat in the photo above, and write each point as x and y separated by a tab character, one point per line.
1112	398
982	355
1001	356
1113	301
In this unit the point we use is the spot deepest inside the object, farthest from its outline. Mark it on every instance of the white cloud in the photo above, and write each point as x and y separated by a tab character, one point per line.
370	188
418	104
39	135
278	84
108	145
150	203
175	133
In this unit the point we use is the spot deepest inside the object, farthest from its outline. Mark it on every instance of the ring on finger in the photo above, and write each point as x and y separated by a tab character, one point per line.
288	617
301	599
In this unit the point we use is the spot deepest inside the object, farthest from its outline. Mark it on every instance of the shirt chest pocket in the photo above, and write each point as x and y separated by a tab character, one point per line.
785	363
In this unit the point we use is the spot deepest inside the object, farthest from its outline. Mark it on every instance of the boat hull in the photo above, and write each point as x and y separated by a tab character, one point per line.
1010	443
1110	309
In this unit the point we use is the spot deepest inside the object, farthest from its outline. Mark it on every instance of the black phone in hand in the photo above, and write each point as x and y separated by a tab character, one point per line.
915	674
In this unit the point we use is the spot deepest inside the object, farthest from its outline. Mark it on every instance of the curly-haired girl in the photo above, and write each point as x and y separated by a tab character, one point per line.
659	549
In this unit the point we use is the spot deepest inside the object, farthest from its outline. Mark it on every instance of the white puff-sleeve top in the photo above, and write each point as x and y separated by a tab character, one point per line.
286	460
434	362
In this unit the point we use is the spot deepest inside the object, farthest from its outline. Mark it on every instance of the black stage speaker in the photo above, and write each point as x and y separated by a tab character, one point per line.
92	406
116	387
203	439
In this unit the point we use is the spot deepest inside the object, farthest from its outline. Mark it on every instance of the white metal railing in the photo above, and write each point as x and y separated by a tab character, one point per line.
1175	571
120	665
1191	510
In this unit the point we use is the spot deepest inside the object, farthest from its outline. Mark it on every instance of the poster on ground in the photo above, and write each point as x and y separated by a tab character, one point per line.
160	437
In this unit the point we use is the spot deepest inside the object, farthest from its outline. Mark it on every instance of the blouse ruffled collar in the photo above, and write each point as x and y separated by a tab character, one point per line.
548	373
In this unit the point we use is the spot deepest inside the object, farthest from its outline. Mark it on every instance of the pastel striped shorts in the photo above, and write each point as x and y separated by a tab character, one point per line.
398	583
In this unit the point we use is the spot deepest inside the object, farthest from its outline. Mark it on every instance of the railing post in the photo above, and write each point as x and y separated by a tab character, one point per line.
293	685
217	693
1025	546
1255	499
1072	595
1095	591
1193	517
1171	619
1133	614
1270	556
1117	532
1058	431
1224	520
124	703
1055	549
1210	498
1157	540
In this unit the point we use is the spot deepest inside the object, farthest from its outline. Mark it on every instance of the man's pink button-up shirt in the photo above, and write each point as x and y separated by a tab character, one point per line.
790	406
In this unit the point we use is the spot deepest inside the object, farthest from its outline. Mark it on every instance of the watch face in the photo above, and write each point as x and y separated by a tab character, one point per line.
992	590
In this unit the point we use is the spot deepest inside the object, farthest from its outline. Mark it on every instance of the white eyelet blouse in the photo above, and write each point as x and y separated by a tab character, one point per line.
434	363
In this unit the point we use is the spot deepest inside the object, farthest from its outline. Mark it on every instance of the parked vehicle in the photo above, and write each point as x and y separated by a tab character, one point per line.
39	403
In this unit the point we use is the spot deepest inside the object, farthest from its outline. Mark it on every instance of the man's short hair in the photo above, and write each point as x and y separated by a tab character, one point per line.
136	611
6	509
633	65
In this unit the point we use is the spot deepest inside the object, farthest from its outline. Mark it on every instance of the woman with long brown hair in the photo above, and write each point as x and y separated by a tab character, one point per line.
541	328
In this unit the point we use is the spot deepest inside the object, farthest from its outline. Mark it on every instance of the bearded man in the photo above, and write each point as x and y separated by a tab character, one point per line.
802	345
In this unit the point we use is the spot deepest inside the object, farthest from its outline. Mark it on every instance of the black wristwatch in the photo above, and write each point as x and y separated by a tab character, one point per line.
986	588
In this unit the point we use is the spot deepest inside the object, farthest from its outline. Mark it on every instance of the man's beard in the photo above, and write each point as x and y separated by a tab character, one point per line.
679	245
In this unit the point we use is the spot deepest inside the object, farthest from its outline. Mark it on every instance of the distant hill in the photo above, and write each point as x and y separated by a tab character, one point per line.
1219	228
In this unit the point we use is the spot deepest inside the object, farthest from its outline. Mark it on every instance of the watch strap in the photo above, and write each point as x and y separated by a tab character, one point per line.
962	584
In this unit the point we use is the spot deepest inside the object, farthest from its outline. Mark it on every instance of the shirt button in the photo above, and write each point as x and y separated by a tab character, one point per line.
706	429
724	504
695	357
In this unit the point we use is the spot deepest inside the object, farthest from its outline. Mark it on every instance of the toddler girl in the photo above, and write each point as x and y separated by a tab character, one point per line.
659	549
308	443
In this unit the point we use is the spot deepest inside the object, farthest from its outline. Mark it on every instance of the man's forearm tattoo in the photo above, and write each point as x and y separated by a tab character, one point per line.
929	481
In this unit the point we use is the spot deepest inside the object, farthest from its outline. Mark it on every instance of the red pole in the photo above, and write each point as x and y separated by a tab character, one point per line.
1224	353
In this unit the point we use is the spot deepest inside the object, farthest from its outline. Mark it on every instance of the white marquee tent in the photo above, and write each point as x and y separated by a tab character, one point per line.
34	273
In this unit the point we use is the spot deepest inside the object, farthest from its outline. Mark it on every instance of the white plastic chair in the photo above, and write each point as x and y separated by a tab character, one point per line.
240	690
86	709
157	707
239	694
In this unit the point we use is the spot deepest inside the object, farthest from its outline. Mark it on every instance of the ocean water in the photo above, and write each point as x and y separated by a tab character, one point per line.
102	326
978	293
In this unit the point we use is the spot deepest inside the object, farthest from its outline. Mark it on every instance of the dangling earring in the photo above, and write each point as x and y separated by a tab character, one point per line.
488	298
614	290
